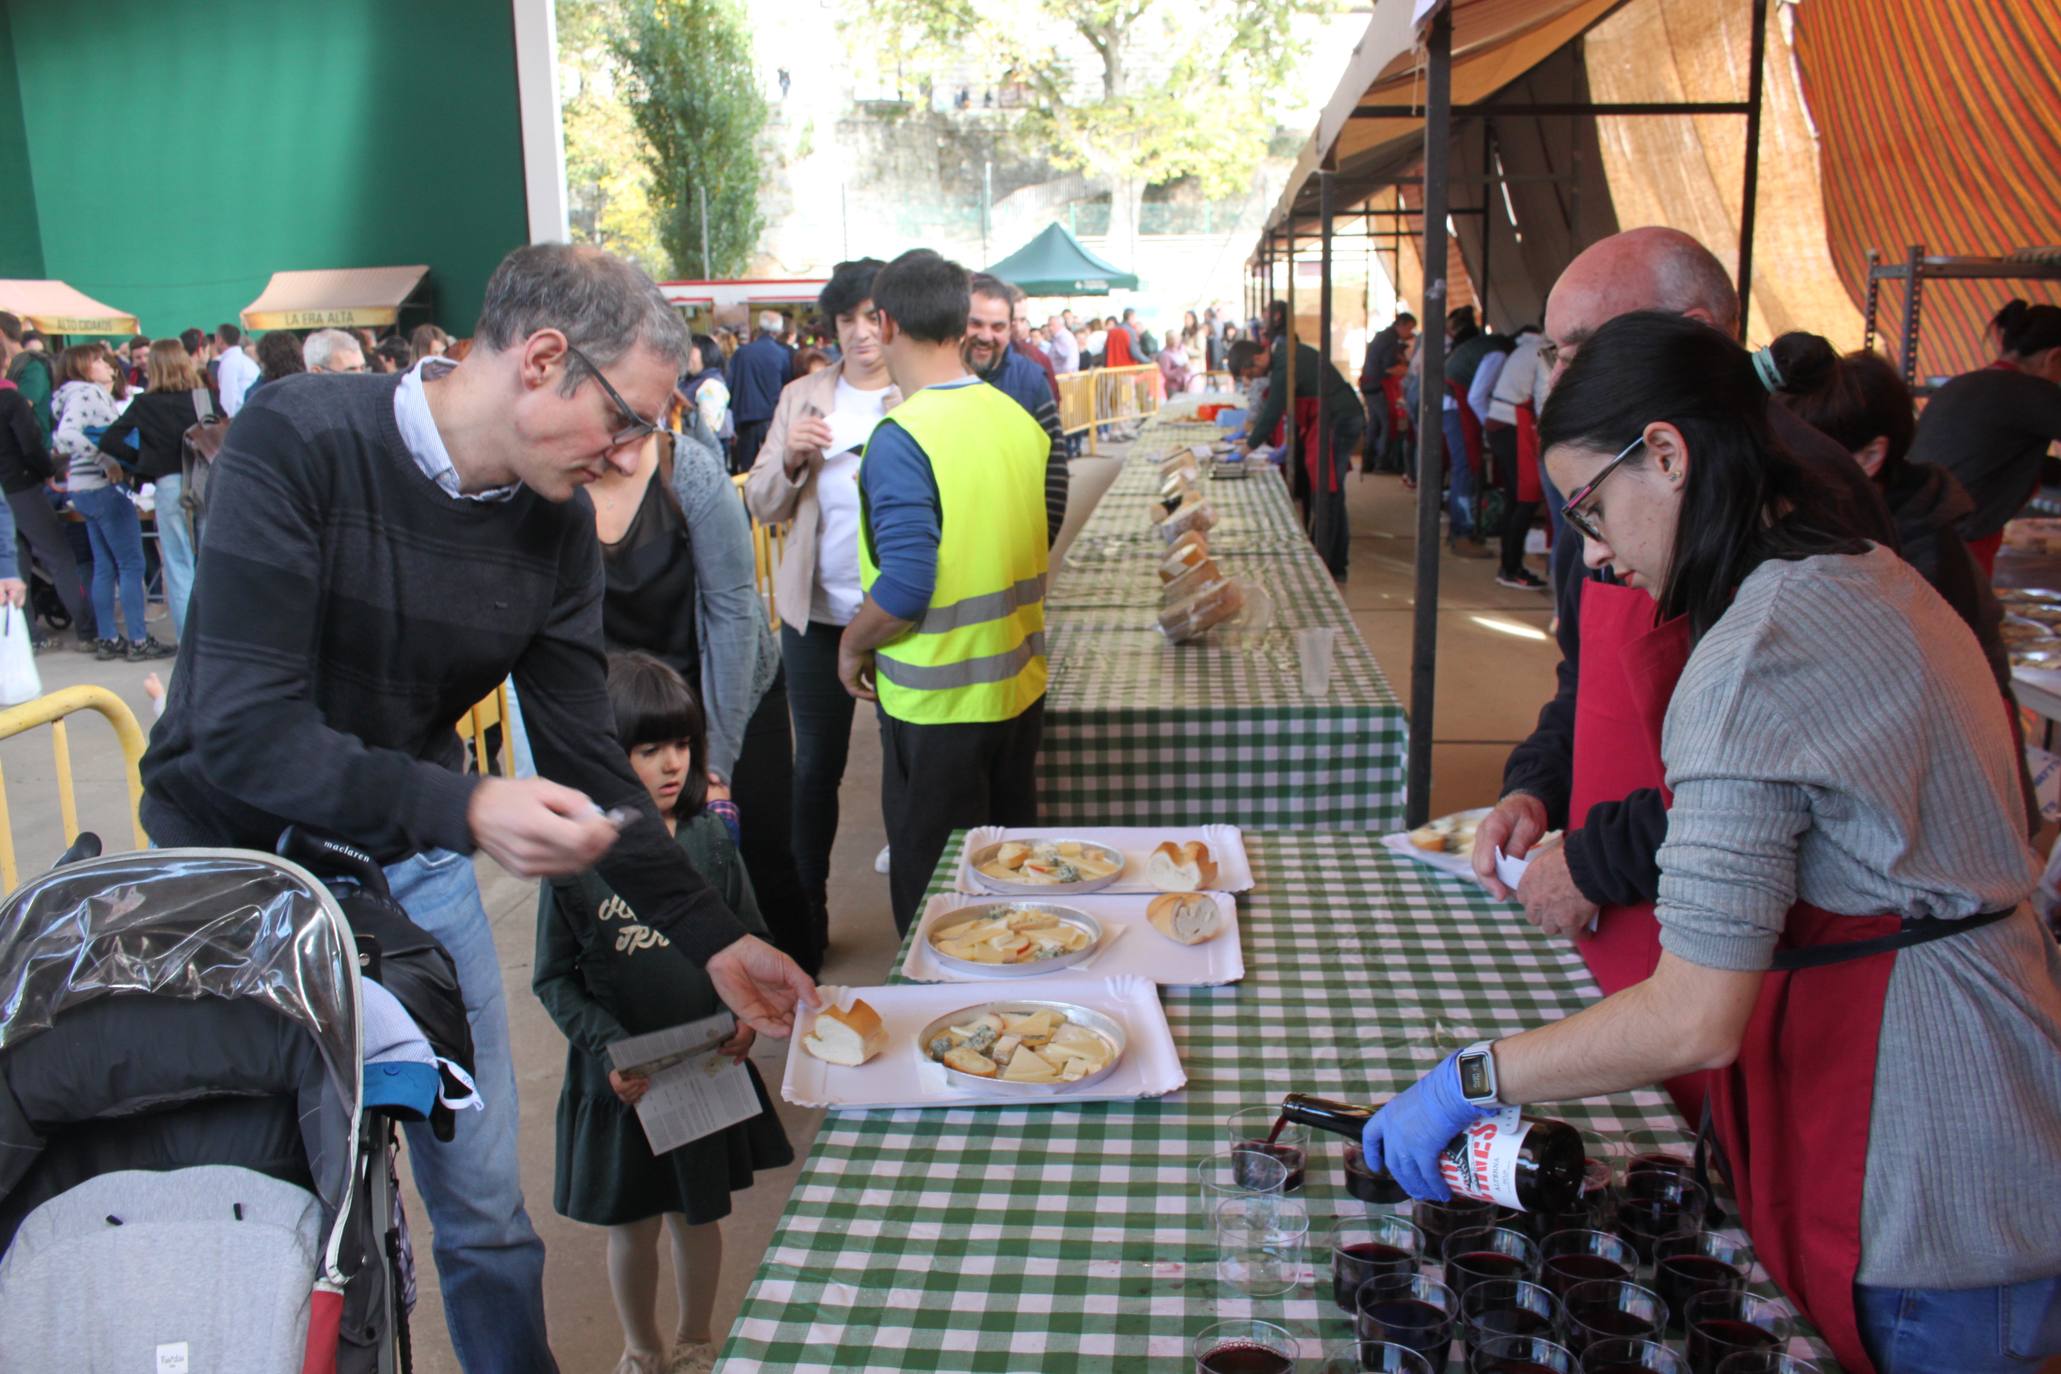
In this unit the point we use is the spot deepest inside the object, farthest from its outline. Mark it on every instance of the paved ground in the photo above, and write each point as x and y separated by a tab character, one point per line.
1492	677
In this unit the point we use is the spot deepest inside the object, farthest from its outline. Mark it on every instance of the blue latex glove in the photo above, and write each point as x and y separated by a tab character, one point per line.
1407	1136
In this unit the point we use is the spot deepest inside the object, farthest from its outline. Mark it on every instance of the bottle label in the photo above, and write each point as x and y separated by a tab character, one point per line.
1481	1162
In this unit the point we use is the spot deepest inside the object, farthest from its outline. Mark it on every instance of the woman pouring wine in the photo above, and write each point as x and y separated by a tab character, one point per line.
1845	941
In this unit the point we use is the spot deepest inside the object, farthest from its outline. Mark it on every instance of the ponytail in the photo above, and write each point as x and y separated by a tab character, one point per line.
1853	400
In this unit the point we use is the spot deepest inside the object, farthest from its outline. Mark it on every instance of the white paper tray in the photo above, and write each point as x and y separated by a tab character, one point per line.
1226	847
1130	945
901	1076
1459	866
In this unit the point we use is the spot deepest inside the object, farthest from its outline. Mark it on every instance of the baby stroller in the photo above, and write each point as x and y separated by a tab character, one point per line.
196	1167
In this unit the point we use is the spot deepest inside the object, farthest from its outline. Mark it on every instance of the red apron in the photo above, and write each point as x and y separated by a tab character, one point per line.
1314	445
1791	1114
1470	428
1528	488
1398	414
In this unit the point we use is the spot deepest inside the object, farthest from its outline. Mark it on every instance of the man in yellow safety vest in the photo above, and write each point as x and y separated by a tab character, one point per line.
952	555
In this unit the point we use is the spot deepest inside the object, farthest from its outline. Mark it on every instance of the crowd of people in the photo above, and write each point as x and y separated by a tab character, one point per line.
1766	569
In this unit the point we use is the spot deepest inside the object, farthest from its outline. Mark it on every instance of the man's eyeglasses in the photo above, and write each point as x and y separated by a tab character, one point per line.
1584	520
635	426
1549	355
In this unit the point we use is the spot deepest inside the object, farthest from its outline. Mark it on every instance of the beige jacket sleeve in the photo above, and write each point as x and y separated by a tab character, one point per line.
769	493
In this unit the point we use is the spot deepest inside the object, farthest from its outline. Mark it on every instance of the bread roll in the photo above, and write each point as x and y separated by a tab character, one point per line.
1209	607
1181	867
1188	550
1429	838
1186	918
848	1037
1196	515
1190	582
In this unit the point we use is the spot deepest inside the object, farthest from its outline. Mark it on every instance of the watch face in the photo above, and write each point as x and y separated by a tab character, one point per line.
1474	1075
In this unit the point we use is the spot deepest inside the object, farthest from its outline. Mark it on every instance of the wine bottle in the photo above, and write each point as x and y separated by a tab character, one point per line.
1525	1162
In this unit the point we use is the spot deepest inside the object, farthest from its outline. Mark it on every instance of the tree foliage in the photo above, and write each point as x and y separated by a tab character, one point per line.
693	94
1183	87
607	162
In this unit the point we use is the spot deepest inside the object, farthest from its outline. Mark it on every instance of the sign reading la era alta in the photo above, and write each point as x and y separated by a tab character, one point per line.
326	319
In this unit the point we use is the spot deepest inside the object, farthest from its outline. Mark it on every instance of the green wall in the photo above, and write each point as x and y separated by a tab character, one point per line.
180	154
21	239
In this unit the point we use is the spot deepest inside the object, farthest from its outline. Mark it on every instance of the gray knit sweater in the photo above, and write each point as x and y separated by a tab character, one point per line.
1837	737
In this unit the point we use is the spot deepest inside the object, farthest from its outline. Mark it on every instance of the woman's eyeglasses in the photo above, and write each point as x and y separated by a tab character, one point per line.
1584	520
635	426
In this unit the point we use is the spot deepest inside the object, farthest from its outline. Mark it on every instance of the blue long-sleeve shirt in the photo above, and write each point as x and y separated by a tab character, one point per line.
905	516
757	373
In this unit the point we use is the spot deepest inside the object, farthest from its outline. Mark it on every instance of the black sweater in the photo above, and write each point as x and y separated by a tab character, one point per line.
346	612
24	456
160	420
1612	852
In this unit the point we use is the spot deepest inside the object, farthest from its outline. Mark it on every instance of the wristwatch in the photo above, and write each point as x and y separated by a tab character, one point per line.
1478	1074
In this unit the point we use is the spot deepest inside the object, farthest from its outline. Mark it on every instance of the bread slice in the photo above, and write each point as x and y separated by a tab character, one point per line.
849	1038
968	1060
1181	867
1429	838
1187	918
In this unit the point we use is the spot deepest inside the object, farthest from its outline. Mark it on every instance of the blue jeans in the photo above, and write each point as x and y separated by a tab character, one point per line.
1566	543
117	536
1460	497
490	1263
175	550
2011	1327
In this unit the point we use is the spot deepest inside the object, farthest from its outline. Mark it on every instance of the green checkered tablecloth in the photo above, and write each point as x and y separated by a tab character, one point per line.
1142	731
1068	1238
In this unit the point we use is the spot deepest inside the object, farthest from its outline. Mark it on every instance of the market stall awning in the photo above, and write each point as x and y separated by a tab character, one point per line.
1055	264
334	298
56	308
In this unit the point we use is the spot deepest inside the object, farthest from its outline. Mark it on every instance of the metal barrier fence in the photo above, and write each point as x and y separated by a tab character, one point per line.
1108	395
51	709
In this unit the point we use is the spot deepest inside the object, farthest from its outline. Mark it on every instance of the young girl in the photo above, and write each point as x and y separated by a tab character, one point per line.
604	975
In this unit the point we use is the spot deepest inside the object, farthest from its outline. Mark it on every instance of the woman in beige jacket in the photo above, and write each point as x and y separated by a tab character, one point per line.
807	472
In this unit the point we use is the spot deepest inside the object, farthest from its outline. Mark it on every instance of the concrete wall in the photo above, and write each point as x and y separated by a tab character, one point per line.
221	142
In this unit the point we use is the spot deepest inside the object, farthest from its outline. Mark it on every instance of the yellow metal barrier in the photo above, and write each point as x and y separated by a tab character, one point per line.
486	713
768	546
1107	395
51	709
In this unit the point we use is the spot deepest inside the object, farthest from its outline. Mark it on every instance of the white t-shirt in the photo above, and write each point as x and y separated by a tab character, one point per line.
836	597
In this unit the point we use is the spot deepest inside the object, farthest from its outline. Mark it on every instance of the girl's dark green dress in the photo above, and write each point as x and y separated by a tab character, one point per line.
603	975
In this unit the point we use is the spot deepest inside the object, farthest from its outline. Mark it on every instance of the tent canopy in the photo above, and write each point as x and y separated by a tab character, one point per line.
336	298
1055	264
56	308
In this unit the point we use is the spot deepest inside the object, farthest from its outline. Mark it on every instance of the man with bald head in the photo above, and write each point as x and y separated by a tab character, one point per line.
1571	773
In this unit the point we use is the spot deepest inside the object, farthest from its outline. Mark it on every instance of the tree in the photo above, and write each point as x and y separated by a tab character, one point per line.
1184	87
695	98
608	178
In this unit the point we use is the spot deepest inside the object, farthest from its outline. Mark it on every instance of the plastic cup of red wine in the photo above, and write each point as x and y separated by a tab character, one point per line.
1363	1247
1653	1205
1765	1362
1375	1188
1488	1252
1567	1258
1261	1128
1245	1347
1374	1357
1408	1310
1724	1321
1521	1355
1587	1213
1437	1220
1620	1356
1663	1149
1603	1308
1233	1173
1698	1262
1507	1307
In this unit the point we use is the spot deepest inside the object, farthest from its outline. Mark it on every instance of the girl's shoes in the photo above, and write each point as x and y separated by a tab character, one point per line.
696	1358
634	1363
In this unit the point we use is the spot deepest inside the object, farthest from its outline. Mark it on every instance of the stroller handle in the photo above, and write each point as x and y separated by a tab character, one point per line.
87	846
324	855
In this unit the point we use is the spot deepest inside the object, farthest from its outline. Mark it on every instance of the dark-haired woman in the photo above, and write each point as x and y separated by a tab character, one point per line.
676	552
1845	943
1991	427
1860	401
807	477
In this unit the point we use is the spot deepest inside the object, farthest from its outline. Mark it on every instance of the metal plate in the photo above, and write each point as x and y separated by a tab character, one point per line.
1104	1025
1012	889
1070	916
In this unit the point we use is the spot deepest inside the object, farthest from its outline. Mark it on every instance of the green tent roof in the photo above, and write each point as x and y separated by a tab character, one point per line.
1055	264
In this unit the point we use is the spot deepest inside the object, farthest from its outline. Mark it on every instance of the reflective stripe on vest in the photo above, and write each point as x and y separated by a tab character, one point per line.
978	652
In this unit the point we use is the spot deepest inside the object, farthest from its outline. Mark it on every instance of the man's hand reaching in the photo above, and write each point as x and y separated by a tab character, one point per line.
535	828
762	985
1515	824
